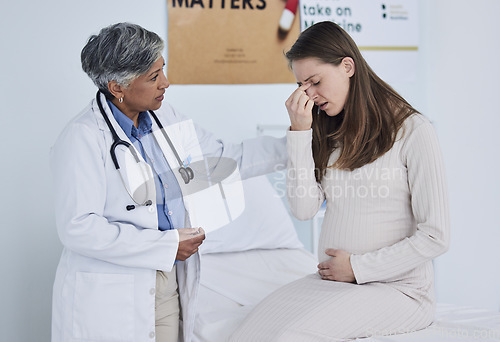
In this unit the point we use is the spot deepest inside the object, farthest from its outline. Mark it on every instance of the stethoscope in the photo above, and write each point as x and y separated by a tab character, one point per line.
186	172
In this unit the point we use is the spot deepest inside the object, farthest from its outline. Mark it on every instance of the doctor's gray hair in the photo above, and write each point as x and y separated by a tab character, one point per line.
121	53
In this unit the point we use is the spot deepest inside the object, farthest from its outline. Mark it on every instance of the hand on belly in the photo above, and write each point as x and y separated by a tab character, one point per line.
337	267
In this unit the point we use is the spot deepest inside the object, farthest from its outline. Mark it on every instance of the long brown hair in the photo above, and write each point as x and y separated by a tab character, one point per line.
373	112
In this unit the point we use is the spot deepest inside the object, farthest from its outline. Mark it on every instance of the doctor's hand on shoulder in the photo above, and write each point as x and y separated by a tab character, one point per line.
190	240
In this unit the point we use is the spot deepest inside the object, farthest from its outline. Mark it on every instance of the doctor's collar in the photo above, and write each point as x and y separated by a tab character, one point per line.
145	123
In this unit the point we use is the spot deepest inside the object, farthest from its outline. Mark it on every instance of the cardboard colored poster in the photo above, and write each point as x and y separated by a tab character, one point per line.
228	42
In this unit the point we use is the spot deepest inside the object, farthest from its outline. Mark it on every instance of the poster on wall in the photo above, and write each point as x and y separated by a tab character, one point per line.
243	42
386	32
230	41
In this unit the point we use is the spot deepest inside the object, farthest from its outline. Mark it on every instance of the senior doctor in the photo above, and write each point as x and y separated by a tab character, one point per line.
129	270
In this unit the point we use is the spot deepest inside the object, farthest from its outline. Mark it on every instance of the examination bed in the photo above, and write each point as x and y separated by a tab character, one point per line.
257	253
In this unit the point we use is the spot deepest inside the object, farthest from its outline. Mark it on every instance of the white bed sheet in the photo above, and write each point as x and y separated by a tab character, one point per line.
233	283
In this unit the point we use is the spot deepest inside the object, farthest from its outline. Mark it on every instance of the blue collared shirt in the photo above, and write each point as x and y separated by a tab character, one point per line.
171	211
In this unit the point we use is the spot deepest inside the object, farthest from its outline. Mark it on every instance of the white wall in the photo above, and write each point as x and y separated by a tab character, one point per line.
42	87
463	74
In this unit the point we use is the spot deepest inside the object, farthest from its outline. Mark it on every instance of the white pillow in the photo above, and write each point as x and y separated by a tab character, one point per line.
264	224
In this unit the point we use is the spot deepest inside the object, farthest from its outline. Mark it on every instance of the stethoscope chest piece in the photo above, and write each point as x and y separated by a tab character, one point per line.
187	174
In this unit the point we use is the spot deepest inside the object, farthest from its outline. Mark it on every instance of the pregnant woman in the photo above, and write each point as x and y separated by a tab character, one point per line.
358	145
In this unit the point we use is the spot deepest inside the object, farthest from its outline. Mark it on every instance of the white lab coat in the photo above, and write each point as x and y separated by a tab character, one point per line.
104	288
